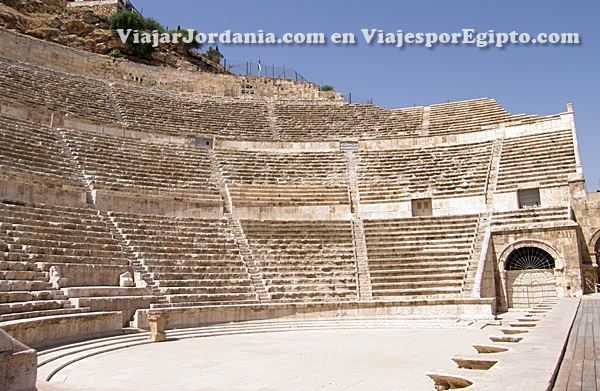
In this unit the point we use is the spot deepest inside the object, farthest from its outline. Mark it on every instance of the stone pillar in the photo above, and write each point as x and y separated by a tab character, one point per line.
157	321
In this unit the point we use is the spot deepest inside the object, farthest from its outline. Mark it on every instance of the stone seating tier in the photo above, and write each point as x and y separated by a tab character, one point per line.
32	149
304	261
527	217
168	113
447	171
186	257
284	179
546	159
176	114
419	257
75	240
317	121
125	164
31	86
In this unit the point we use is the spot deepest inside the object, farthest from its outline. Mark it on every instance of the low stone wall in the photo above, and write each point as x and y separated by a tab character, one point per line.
28	189
441	207
185	317
549	197
144	203
55	330
319	212
88	274
127	305
46	54
18	365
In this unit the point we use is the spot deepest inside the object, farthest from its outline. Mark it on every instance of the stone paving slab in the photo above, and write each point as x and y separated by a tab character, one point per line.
374	359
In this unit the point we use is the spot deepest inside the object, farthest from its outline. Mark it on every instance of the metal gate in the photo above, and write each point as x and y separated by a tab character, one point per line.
528	287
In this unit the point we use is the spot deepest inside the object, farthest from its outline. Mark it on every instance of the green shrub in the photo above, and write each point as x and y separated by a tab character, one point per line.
127	20
152	24
327	87
134	21
116	53
185	34
214	55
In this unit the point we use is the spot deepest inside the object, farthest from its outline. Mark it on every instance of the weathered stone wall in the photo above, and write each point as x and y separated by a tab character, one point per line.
561	242
60	58
183	317
18	365
586	209
100	7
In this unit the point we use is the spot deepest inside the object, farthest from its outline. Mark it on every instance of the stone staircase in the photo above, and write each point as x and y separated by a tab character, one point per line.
424	129
483	224
272	120
492	178
358	232
139	269
113	101
85	180
238	232
24	288
252	264
362	263
220	182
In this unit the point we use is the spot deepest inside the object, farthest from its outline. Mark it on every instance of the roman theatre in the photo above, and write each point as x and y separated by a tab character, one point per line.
169	229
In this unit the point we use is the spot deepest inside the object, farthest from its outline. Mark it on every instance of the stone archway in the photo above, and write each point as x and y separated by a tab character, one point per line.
529	276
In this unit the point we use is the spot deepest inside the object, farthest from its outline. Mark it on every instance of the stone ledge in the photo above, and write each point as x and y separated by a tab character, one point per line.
459	309
55	330
18	364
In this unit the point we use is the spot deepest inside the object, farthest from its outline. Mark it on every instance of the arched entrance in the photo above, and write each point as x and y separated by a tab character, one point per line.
597	251
529	276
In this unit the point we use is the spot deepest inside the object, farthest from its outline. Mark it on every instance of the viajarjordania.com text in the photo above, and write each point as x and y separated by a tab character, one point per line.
398	38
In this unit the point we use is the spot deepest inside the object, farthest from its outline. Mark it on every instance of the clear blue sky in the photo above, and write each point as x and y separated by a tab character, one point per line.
533	80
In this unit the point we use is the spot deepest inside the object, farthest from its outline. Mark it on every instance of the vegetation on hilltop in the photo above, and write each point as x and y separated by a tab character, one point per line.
89	29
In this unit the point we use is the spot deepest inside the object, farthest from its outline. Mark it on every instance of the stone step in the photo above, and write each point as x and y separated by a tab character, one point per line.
207	298
105	291
384	286
23	285
23	275
415	292
41	313
206	290
201	283
20	296
16	266
29	306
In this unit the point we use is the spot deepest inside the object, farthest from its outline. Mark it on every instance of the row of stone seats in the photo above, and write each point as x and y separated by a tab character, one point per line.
445	171
468	116
125	164
25	290
296	121
284	179
192	261
32	86
546	159
35	151
419	257
304	260
527	217
158	111
26	293
75	240
171	113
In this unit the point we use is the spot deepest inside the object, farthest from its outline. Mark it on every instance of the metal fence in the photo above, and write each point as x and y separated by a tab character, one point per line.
250	68
351	98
